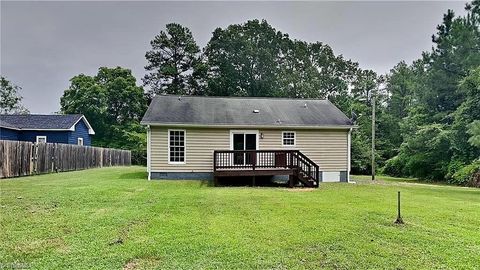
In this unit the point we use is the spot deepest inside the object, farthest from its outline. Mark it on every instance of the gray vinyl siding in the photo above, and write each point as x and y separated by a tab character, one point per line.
328	148
199	145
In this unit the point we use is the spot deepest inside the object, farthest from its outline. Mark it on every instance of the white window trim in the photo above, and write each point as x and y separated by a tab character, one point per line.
42	137
79	140
294	139
184	147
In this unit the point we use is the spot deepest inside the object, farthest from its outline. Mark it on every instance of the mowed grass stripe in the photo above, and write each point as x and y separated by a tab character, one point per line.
113	218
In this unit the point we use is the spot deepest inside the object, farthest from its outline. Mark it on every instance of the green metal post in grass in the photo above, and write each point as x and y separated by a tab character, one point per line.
399	217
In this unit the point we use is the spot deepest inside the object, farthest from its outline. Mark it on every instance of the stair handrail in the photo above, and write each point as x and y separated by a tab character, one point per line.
313	174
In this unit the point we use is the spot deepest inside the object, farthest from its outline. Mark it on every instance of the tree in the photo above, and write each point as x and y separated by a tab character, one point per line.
456	51
10	99
474	131
312	70
423	155
113	104
174	63
400	85
243	60
436	101
464	117
86	96
254	59
125	101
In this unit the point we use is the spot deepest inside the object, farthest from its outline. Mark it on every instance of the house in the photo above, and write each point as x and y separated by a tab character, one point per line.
189	137
56	128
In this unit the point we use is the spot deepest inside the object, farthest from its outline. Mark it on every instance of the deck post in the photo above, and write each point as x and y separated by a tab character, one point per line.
214	161
291	159
215	178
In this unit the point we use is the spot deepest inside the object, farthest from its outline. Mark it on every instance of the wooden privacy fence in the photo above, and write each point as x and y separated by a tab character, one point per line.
25	158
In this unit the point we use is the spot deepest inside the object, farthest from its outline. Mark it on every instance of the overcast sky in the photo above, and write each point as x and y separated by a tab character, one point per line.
44	44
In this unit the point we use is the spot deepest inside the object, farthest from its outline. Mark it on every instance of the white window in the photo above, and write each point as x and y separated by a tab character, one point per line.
41	139
80	141
288	138
176	146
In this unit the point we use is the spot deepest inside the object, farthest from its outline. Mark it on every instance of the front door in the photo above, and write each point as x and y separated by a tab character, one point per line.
246	140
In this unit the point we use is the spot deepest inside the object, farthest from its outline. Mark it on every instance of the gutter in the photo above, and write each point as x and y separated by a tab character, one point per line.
348	127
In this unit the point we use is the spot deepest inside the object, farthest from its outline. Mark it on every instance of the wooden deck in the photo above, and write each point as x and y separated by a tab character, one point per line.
251	163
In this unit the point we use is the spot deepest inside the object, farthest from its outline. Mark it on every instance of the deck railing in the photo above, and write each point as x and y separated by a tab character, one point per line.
265	159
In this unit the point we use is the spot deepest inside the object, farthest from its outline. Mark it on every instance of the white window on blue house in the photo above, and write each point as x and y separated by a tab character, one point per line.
176	146
80	141
41	139
288	138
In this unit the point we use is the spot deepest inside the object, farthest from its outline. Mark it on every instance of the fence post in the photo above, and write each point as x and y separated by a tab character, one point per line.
34	160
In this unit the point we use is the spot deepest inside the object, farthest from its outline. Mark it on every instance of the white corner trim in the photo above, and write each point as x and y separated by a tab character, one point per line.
149	154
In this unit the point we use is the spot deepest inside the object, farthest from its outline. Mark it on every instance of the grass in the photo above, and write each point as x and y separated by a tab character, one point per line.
114	218
385	178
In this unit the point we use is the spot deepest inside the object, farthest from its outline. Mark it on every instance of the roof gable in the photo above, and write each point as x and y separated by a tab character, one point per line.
238	111
42	121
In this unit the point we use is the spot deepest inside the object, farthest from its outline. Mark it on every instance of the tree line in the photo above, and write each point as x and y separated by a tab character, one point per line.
428	111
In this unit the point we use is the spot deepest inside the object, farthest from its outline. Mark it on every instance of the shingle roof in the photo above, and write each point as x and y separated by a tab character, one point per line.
39	121
239	111
6	125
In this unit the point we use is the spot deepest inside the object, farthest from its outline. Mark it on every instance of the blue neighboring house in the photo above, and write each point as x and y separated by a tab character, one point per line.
56	128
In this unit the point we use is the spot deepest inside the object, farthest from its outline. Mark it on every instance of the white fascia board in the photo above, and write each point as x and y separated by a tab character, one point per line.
46	129
9	127
90	129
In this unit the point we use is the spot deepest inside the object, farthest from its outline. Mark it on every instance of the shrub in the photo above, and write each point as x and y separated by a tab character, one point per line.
453	167
468	175
394	167
139	157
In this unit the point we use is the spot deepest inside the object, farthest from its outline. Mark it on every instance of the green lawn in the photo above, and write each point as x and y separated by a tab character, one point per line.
114	218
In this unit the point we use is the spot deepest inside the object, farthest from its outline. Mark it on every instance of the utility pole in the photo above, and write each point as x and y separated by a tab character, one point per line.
373	136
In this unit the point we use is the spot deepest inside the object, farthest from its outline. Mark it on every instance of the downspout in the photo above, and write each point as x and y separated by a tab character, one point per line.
349	155
149	154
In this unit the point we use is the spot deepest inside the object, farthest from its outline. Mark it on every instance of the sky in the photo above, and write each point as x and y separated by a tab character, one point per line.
45	44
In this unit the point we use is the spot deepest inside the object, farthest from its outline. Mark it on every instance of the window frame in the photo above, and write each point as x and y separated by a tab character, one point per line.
294	139
41	137
184	147
80	140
